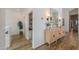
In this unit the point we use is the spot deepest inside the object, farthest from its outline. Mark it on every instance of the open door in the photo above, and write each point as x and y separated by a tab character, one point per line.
73	20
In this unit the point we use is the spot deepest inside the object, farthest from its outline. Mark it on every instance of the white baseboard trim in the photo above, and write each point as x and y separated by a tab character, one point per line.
3	48
38	45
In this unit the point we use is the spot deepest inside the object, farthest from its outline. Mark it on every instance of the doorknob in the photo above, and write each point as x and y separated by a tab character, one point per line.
6	32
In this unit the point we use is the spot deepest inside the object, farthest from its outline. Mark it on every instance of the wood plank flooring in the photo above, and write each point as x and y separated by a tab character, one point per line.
19	42
69	42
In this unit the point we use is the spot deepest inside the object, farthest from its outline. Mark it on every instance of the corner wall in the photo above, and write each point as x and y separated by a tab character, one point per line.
39	19
66	19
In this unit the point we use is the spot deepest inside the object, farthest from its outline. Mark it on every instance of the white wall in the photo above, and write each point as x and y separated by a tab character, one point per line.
78	22
2	25
15	15
12	18
66	19
39	26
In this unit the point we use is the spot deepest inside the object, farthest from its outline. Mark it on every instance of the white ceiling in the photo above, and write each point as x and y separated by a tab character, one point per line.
18	9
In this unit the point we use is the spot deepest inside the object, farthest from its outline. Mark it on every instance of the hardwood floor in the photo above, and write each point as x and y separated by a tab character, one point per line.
68	42
19	42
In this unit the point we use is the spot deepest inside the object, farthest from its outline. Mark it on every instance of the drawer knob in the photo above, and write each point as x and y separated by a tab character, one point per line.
6	32
59	33
53	35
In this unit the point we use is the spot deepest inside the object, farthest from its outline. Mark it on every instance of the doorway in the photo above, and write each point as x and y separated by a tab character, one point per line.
73	21
19	39
30	25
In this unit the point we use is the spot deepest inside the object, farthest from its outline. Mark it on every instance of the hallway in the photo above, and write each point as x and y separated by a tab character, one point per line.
69	42
19	42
